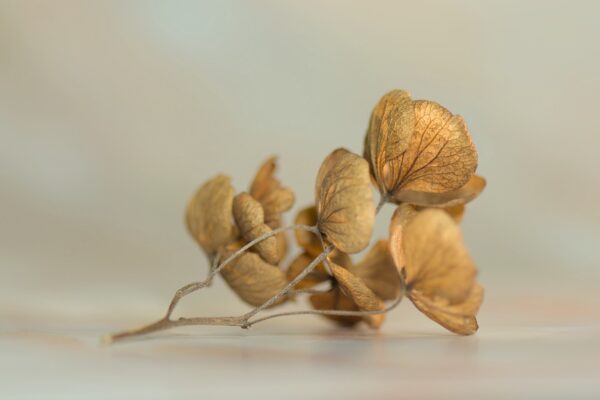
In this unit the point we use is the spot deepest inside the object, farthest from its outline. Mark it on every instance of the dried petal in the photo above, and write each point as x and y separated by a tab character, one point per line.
440	156
249	217
299	264
336	300
378	271
364	297
344	201
458	318
308	240
208	215
440	274
267	189
453	198
252	279
390	129
437	262
403	214
319	274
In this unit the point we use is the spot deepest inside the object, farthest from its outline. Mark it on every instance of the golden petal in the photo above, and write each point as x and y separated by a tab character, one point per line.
299	264
358	291
308	240
458	318
208	215
249	217
378	271
437	263
390	129
254	280
460	196
440	156
403	214
344	201
267	189
336	300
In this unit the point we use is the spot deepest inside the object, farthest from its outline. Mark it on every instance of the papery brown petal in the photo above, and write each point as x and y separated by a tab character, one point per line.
282	245
460	196
459	318
437	262
299	264
344	201
308	240
364	297
267	189
378	271
440	156
390	129
336	300
249	217
254	280
403	214
208	215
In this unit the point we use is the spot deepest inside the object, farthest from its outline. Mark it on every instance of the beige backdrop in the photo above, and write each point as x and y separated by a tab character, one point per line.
112	113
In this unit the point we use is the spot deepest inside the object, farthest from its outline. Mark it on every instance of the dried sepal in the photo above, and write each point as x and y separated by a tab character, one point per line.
344	201
378	271
249	217
453	198
391	126
359	292
418	147
308	240
336	300
254	280
439	273
208	215
267	189
319	274
403	214
315	277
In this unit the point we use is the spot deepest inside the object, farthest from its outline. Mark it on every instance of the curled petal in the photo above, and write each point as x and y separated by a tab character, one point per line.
437	262
208	215
440	157
453	198
344	201
252	279
458	318
358	291
249	217
378	271
299	264
336	300
308	240
403	214
267	189
390	129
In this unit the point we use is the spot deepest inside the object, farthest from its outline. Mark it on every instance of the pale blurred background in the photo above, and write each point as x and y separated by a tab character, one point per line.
112	113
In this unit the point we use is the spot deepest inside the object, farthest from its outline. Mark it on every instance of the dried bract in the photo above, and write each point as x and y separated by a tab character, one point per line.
208	215
344	201
252	279
378	271
267	189
415	148
249	217
439	273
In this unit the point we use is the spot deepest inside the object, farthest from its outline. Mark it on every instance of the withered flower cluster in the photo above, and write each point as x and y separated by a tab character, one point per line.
421	158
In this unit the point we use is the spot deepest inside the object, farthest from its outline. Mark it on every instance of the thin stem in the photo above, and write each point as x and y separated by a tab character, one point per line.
242	320
194	286
382	200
